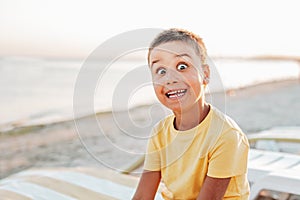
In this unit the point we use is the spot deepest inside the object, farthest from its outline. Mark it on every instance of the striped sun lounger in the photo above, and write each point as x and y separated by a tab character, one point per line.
68	184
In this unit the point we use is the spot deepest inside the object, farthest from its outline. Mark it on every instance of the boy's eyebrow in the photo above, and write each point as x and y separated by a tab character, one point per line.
153	62
176	56
183	54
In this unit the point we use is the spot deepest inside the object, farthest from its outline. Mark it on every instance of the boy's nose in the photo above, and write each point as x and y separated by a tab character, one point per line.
170	82
172	77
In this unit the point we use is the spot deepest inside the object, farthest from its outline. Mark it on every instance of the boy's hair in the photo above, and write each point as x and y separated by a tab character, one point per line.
175	34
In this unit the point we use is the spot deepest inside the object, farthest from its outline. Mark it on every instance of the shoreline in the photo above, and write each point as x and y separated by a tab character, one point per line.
22	126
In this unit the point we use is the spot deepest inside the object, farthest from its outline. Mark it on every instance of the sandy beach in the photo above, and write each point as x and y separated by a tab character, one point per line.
254	108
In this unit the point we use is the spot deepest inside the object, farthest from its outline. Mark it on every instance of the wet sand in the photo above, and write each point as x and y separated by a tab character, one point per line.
118	139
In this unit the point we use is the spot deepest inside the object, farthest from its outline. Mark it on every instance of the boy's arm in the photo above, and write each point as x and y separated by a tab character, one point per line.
213	188
148	185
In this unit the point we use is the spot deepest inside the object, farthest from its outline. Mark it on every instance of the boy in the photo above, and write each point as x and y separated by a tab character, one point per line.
198	152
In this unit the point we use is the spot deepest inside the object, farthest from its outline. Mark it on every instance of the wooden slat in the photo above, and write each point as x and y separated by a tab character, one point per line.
9	195
68	189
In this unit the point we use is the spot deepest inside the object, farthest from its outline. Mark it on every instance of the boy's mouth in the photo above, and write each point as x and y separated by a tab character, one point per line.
176	93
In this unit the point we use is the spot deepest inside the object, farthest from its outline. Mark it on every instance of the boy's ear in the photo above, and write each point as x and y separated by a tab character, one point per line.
206	73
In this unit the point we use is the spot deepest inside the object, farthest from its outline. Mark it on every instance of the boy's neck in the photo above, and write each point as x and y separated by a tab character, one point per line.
191	118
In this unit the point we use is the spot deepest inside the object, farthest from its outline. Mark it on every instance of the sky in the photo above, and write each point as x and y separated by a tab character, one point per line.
73	29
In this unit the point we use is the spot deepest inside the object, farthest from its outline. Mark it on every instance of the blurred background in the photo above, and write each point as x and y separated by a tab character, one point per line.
254	46
44	44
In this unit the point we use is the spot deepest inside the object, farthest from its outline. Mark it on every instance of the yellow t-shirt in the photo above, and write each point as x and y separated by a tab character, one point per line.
216	147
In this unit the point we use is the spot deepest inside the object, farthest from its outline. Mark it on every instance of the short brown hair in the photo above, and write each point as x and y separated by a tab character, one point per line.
176	34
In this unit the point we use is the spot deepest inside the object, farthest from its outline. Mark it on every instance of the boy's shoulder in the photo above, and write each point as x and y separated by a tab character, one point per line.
227	127
222	120
163	123
224	128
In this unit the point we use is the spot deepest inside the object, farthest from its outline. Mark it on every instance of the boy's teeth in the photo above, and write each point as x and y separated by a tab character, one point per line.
176	93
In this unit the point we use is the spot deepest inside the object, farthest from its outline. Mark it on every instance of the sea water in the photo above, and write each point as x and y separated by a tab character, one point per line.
39	91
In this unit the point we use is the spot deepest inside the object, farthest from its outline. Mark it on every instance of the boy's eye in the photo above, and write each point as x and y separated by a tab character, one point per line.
161	71
182	66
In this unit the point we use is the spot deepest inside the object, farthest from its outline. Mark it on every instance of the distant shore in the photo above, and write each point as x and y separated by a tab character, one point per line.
254	108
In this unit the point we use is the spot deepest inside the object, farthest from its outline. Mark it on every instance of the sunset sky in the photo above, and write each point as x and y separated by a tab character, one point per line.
73	29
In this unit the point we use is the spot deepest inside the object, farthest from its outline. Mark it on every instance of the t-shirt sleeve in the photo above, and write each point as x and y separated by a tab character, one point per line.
229	157
152	157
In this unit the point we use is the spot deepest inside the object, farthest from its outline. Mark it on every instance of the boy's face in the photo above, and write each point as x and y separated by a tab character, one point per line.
176	77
